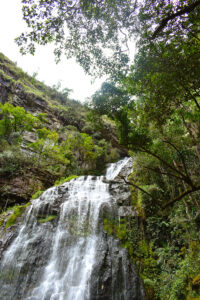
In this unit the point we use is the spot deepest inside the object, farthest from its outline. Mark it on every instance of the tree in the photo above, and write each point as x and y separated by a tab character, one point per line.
172	16
96	32
92	31
115	102
165	81
109	100
165	157
166	77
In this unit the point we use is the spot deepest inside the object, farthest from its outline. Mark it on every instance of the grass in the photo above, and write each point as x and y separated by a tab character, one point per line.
36	195
17	212
63	180
47	219
33	86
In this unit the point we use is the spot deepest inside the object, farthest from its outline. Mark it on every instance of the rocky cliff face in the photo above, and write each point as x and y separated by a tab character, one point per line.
62	251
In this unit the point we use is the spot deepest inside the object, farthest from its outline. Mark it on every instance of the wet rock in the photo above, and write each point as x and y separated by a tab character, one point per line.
126	211
71	256
7	235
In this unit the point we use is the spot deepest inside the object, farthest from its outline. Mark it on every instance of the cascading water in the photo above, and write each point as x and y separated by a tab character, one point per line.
71	257
115	168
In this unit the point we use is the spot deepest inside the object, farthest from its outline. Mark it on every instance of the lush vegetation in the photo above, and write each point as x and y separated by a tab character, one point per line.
161	129
36	195
155	104
157	113
59	154
45	136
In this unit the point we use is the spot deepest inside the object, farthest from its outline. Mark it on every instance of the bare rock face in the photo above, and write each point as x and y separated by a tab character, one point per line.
19	188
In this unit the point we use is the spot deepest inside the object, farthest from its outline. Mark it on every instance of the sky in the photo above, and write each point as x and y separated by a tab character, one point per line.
68	72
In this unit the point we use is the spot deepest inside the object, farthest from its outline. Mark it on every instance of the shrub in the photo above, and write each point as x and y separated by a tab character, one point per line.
13	160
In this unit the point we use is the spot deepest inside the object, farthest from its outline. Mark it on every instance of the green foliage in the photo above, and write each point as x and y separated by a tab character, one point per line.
180	282
71	128
141	251
48	151
105	27
115	103
6	77
161	127
161	130
15	120
33	91
63	180
13	160
47	219
84	145
109	100
95	24
61	95
16	213
36	195
95	121
88	129
58	155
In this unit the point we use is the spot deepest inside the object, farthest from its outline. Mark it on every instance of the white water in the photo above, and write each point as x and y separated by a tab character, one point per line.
115	168
68	272
74	245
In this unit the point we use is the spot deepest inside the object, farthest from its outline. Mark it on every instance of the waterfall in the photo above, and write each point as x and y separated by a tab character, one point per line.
115	168
61	251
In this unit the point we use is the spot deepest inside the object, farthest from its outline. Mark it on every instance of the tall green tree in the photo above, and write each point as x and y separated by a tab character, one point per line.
96	32
115	102
109	100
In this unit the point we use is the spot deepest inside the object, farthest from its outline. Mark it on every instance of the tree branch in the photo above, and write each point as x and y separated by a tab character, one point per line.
185	193
185	10
183	176
137	187
181	156
163	173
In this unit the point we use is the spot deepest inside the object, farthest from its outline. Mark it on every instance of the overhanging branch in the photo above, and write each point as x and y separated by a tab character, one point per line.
137	187
181	196
185	10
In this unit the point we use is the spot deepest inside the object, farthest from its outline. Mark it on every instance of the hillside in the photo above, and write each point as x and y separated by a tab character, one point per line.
46	136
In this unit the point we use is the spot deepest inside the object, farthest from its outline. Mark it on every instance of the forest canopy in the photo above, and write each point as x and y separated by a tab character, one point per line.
97	33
